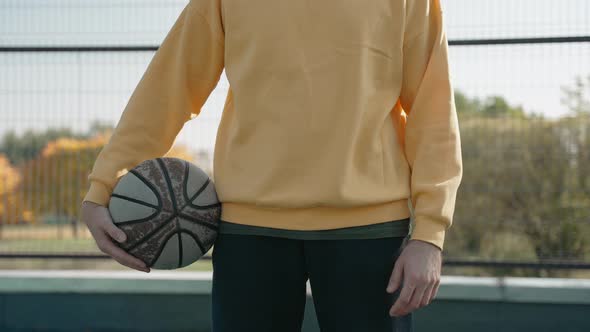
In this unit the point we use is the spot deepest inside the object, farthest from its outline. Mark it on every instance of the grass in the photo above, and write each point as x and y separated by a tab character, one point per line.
54	239
83	264
48	245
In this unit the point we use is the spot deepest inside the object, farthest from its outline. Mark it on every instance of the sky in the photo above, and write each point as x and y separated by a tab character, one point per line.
38	90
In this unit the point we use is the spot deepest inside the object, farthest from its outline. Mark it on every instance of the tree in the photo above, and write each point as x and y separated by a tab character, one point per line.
466	106
525	181
19	149
27	146
9	179
57	180
490	107
99	128
577	98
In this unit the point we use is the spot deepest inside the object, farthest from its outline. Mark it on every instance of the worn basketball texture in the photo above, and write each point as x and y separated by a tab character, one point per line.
169	210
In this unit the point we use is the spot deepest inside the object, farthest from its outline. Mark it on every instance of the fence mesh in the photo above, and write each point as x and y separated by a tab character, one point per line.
520	70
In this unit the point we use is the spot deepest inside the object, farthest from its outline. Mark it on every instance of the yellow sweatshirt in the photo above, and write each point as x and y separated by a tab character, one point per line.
339	112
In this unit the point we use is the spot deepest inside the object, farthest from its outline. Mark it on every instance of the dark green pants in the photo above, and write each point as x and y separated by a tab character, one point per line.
259	284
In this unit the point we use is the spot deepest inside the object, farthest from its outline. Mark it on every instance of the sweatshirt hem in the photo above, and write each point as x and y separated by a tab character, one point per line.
389	229
313	218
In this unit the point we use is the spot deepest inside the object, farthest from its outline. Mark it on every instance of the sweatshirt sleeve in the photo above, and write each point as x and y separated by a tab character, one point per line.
431	135
177	82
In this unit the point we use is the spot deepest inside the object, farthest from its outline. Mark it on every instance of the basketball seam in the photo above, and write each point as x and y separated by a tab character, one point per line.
136	221
189	200
149	185
179	233
127	198
153	189
179	244
197	241
169	184
161	248
147	236
204	207
197	221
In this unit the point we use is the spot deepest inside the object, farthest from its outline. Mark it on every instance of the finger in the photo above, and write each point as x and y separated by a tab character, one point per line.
414	301
417	297
396	277
109	248
128	260
427	298
125	259
435	290
403	300
114	231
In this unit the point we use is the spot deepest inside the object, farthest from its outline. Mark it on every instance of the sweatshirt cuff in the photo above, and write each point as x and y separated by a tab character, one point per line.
98	193
429	230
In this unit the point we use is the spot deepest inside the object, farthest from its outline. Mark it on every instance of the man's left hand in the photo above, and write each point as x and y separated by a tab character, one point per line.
419	264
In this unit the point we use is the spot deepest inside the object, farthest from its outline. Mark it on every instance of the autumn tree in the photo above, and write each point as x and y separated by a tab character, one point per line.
9	179
57	180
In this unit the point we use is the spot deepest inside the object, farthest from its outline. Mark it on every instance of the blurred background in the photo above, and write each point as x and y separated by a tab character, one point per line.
521	72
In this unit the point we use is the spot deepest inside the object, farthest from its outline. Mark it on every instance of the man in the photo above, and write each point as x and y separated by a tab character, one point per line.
339	125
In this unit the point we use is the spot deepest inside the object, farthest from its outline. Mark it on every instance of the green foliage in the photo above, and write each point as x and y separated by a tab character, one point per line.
508	246
577	98
491	107
19	149
526	186
56	181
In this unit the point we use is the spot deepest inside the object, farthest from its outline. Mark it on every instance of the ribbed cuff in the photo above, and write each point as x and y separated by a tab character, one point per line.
98	193
430	231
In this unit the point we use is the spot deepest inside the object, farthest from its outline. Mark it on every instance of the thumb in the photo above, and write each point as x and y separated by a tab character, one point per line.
106	223
396	277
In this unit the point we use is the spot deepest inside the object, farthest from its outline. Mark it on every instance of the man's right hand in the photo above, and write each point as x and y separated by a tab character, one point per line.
98	220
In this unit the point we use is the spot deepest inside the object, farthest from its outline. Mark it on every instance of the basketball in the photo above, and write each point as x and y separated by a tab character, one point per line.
169	209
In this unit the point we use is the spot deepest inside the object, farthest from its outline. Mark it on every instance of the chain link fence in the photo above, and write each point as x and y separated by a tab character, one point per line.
522	80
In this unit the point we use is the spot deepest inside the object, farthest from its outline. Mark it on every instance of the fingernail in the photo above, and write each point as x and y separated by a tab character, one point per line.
122	238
